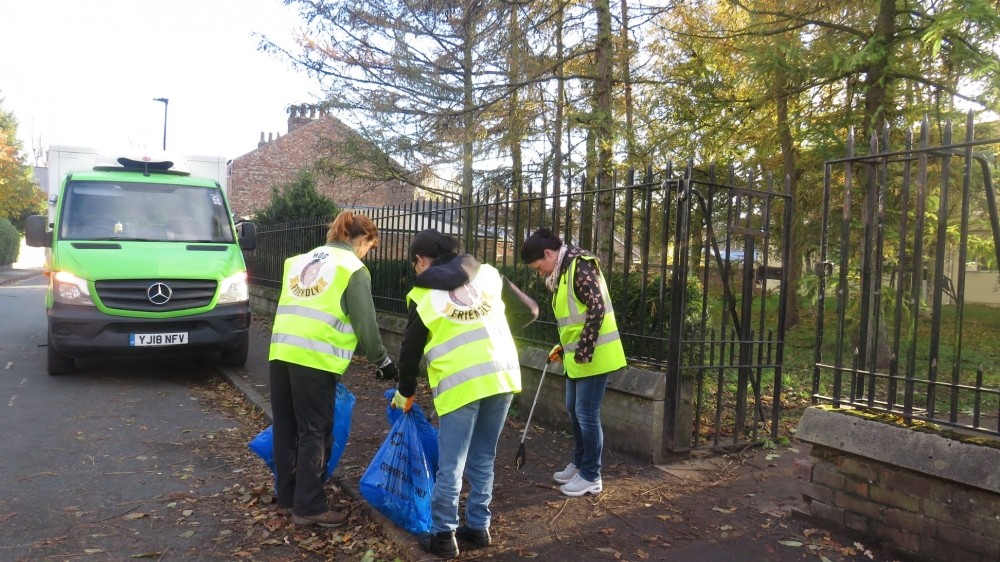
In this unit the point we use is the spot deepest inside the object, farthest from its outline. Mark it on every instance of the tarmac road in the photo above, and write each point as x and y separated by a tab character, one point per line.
108	461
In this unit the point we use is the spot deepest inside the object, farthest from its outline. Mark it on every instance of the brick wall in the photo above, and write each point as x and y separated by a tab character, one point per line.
918	516
309	140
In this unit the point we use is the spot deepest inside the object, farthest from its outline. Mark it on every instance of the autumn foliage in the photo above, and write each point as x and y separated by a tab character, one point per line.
18	195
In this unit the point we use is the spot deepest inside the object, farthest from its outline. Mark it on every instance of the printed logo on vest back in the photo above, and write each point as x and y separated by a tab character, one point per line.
310	275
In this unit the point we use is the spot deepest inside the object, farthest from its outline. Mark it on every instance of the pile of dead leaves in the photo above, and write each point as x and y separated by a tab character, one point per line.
251	505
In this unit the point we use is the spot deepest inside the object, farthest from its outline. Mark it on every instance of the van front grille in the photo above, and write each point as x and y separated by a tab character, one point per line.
148	295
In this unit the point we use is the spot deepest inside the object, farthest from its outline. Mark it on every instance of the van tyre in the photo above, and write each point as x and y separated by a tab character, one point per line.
237	357
59	364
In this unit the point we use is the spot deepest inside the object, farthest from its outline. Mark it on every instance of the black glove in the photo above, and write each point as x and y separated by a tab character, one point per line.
387	372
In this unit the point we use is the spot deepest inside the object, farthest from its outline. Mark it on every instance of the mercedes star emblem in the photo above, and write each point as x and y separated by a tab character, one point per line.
159	293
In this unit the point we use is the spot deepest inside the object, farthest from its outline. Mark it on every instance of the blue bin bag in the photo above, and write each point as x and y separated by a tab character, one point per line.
263	444
428	433
399	480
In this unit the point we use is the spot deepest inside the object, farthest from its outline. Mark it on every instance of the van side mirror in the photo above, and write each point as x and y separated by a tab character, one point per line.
36	232
248	235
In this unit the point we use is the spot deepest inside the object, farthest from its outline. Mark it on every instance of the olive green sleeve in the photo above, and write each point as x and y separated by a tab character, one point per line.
358	304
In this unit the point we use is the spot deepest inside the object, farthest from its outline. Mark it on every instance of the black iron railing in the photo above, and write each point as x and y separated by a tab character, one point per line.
900	282
686	254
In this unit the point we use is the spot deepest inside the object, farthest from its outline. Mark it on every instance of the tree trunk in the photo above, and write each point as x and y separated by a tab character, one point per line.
468	122
604	242
876	87
557	163
790	174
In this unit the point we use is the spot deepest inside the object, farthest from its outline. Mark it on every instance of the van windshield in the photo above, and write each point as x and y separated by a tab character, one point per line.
142	211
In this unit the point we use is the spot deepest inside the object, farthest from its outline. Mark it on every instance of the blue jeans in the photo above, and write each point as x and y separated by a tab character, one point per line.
467	442
583	402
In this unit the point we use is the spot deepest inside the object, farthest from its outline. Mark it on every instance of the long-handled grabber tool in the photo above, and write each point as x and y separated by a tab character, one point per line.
519	459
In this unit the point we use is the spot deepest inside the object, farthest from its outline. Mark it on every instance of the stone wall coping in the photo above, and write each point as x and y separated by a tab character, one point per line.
650	385
927	453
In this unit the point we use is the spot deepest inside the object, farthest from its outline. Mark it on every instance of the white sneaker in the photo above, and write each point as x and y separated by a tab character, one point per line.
567	474
579	487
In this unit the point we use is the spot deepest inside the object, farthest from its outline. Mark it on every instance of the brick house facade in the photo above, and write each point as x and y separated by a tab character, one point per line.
312	138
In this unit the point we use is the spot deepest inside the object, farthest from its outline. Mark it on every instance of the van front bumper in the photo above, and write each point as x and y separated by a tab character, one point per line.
79	331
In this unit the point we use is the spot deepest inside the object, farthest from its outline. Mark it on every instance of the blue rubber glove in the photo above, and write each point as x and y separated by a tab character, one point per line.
402	402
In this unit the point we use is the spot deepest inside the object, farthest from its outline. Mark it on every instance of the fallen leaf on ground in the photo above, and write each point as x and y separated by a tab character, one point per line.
187	534
723	510
147	555
790	543
606	549
641	554
134	516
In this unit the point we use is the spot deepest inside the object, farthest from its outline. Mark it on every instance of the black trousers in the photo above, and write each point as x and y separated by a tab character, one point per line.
302	402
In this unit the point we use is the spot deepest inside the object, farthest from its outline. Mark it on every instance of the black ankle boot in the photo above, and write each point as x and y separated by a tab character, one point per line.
478	537
442	544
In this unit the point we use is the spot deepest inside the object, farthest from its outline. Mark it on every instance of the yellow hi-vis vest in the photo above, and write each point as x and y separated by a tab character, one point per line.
470	352
571	315
310	327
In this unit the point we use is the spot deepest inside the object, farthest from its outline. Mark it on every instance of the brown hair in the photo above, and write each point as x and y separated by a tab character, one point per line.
347	225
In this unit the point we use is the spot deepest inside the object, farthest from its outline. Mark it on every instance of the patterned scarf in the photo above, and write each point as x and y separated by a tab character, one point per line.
552	281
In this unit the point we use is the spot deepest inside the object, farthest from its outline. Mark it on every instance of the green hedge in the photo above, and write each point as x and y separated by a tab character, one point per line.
392	279
10	242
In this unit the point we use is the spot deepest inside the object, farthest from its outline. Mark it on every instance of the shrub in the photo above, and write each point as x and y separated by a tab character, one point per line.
10	242
296	200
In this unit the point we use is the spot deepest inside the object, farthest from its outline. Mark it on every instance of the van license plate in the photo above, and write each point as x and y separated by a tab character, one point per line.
153	340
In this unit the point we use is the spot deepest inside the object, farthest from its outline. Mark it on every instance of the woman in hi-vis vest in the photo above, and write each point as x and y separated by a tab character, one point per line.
324	312
460	316
589	348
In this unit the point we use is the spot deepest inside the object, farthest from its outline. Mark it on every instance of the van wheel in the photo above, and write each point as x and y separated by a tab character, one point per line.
237	357
59	364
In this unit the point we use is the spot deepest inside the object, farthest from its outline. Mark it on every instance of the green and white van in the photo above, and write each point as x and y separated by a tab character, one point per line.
145	260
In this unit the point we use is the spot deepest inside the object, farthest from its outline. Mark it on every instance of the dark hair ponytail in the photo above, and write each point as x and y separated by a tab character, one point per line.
533	248
432	244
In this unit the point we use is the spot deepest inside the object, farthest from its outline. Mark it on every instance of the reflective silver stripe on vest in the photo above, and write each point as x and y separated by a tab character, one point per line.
325	317
312	345
473	372
454	343
580	317
601	340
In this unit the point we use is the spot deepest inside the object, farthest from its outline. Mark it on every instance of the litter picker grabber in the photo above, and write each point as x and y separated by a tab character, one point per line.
519	459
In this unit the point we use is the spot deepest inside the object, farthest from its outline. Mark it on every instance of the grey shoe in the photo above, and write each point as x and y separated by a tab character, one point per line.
567	474
578	486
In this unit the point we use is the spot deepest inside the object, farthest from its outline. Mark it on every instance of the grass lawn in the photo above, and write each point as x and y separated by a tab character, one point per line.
980	346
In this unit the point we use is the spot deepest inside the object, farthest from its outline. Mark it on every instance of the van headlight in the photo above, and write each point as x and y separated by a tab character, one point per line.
70	289
234	288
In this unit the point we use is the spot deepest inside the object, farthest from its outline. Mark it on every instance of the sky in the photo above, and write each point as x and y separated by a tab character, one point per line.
85	73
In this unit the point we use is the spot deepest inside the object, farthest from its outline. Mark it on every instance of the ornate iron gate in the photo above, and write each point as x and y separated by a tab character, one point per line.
898	318
724	359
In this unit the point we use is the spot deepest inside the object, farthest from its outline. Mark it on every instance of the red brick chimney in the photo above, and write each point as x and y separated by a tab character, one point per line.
297	116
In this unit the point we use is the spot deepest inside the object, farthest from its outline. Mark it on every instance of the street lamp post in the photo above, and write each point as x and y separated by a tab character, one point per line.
165	103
